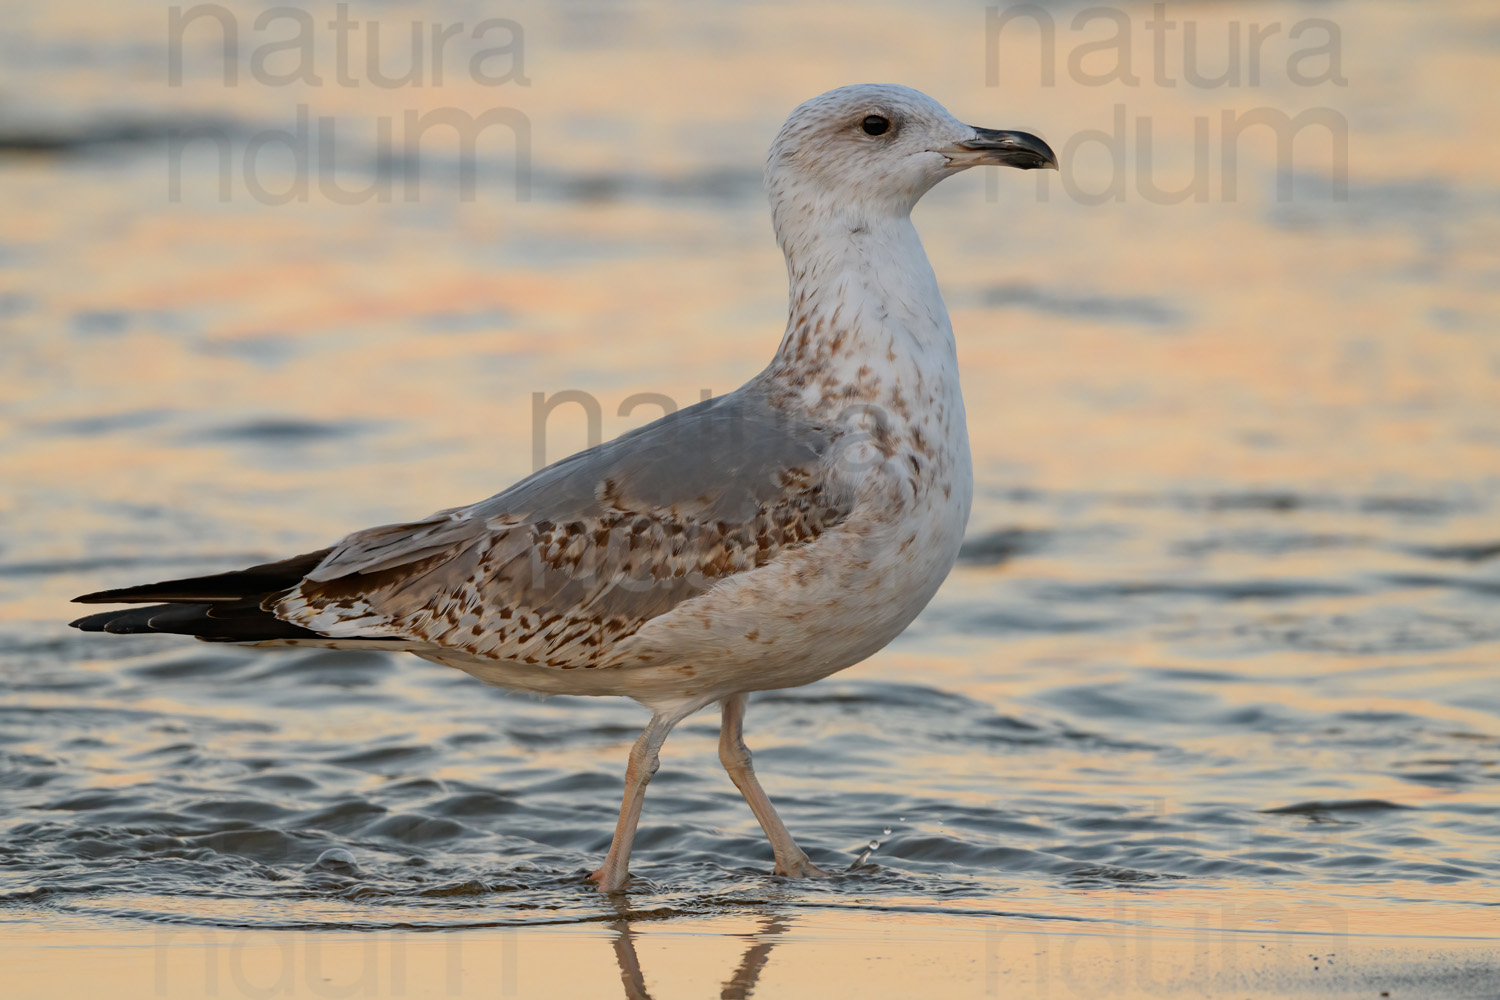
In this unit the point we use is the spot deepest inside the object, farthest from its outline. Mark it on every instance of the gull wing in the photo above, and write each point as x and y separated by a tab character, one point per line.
584	552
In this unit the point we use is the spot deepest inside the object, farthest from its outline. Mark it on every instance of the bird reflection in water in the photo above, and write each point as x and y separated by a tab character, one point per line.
739	986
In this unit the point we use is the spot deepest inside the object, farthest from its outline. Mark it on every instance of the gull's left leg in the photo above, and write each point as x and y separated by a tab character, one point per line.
735	756
615	872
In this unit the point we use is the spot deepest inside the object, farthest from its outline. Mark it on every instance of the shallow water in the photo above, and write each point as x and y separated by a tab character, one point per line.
1222	644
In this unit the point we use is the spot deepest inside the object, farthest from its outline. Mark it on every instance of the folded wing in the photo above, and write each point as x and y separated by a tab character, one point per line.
560	566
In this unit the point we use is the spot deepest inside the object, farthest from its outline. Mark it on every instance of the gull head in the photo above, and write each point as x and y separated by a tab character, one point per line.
875	149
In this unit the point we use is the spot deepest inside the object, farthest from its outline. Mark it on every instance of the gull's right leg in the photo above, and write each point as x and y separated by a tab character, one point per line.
615	872
735	756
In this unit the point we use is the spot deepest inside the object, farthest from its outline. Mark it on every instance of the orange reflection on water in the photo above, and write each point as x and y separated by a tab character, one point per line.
1331	352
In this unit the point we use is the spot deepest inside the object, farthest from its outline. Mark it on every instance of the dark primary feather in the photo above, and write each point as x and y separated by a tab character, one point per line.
224	607
256	581
240	621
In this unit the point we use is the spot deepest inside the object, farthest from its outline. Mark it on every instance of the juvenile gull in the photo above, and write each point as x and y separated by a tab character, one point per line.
763	539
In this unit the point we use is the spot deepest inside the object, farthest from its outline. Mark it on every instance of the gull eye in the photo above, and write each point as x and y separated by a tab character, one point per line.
875	125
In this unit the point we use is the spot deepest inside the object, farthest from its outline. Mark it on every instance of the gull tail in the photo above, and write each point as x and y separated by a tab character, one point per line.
224	607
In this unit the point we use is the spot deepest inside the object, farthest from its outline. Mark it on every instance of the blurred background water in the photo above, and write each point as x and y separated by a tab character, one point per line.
1223	639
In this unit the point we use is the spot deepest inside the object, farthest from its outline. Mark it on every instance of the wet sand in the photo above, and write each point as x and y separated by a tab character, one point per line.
785	954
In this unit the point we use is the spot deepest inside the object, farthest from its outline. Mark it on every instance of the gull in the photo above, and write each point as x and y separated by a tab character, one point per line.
758	540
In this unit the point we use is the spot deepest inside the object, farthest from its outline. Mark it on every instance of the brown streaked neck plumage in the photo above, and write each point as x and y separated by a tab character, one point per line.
864	309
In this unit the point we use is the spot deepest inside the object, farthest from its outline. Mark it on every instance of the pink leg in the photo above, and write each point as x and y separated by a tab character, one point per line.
735	756
615	872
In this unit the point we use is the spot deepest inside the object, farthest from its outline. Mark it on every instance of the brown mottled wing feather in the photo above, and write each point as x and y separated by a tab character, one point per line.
584	552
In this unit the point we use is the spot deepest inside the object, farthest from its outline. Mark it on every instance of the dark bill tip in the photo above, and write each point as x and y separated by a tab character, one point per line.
1021	150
